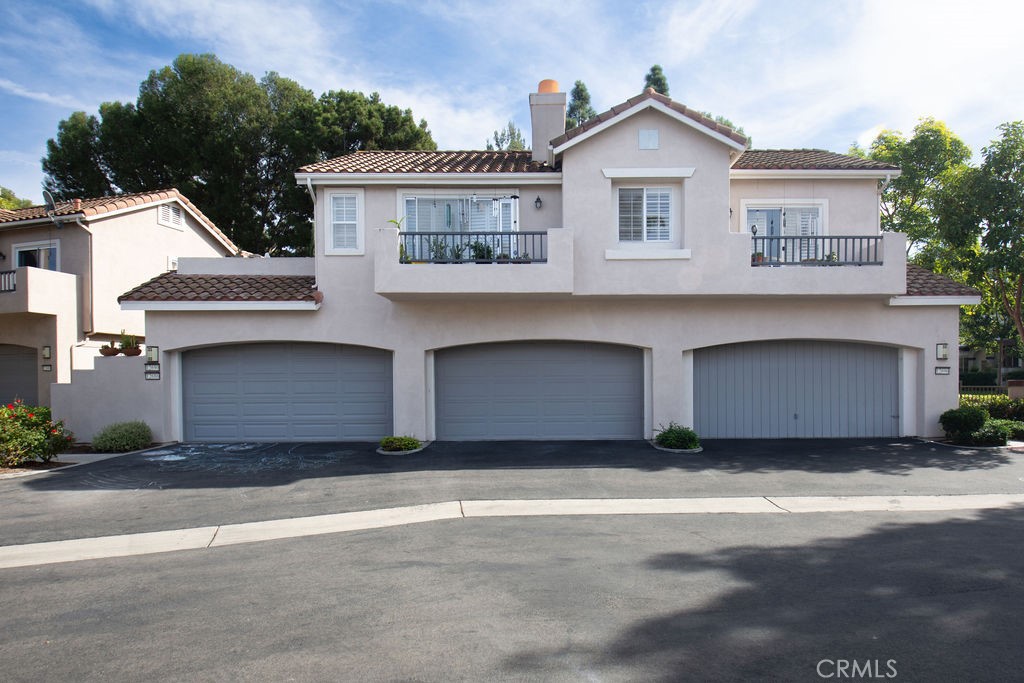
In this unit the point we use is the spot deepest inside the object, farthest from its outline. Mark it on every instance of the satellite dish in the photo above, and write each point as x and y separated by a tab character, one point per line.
51	208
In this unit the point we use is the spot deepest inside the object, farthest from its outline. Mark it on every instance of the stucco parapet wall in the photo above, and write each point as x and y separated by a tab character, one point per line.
247	266
395	280
723	268
41	291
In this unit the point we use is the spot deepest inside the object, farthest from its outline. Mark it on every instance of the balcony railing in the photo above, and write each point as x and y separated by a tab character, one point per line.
473	247
816	251
8	281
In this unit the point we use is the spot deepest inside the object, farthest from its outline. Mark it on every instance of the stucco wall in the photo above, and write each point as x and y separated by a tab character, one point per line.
666	328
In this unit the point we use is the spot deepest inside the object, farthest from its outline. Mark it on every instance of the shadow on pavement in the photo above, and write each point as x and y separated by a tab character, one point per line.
275	464
933	601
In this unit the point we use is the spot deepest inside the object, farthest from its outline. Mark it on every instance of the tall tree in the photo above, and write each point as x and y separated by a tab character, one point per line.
925	159
229	142
981	214
9	200
579	109
509	137
655	78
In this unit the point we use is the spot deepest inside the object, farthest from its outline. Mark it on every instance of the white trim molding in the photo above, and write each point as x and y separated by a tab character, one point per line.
783	203
643	106
220	306
652	173
328	223
934	300
38	244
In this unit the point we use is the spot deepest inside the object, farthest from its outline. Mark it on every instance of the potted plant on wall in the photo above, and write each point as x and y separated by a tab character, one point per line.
109	349
129	345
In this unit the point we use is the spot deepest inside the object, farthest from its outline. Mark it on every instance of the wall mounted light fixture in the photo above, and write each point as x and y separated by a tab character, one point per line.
537	203
942	351
47	351
152	353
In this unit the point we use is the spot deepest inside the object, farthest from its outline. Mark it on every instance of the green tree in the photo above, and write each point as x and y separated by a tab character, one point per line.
579	109
9	200
509	137
229	142
925	159
655	78
981	216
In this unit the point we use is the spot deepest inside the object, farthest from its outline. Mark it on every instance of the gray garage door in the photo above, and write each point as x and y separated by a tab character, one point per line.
286	392
18	378
539	390
796	389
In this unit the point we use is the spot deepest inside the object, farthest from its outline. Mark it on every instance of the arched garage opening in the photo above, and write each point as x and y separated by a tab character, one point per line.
539	390
286	391
796	389
19	376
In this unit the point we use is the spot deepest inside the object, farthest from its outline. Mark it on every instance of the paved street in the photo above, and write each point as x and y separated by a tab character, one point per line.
757	596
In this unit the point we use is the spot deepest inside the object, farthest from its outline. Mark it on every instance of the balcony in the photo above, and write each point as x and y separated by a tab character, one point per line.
446	264
831	250
34	290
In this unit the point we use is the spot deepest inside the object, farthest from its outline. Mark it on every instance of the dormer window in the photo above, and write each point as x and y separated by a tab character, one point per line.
170	216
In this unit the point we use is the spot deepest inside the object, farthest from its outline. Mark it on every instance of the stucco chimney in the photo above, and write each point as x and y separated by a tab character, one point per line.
547	118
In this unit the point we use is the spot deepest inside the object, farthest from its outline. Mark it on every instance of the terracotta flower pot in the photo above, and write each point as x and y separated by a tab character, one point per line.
132	351
107	351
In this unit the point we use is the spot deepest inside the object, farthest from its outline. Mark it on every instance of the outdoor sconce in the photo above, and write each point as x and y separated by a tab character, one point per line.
537	203
47	351
152	354
753	230
942	352
3	256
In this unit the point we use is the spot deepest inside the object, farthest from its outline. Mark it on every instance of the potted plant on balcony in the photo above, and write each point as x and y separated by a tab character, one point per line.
756	258
481	253
130	344
109	349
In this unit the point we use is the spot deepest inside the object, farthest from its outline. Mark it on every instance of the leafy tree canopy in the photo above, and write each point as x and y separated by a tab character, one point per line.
509	137
579	109
228	141
8	200
655	78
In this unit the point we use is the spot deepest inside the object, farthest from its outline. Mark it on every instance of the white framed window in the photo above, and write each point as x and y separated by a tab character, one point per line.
785	217
170	216
459	212
45	255
645	214
648	138
344	224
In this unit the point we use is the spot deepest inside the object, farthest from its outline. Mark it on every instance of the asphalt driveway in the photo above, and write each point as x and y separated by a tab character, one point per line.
192	485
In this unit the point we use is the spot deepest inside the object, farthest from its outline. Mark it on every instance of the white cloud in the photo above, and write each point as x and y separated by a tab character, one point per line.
47	98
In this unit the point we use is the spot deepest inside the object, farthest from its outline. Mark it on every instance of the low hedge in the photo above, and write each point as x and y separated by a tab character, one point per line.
992	433
677	437
978	379
1016	428
122	437
962	421
998	406
400	443
29	433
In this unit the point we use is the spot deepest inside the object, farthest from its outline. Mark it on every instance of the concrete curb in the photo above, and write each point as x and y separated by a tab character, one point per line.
89	458
73	550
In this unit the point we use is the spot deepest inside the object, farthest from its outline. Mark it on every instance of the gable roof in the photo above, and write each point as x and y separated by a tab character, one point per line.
806	159
98	206
923	282
645	99
208	288
422	161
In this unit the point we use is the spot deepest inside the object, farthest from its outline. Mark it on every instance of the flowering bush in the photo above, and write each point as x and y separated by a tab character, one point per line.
28	433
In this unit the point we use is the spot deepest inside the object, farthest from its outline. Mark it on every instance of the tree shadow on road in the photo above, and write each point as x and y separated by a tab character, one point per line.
943	600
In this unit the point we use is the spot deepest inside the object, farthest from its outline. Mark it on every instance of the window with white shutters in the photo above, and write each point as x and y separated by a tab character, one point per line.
645	214
344	224
170	215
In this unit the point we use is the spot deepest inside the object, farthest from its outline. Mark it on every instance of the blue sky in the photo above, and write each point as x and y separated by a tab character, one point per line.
794	74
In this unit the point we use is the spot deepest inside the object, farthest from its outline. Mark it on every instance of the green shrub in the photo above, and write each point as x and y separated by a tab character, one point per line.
999	406
400	443
992	433
959	422
1014	374
121	437
675	436
1016	428
978	379
29	433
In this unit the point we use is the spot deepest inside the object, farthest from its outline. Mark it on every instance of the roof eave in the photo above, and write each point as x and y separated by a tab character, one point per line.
947	300
220	306
797	173
454	178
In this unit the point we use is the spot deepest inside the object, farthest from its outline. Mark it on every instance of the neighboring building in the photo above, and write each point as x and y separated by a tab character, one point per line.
62	271
640	269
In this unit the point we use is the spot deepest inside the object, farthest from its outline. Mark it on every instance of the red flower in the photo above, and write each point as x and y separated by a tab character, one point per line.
31	415
10	406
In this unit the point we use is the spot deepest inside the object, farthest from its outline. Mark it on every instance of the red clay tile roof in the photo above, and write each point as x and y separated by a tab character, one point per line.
650	94
923	282
806	159
175	287
415	161
97	206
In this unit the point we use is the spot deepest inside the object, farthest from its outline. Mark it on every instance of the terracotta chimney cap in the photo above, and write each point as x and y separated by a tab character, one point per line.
548	85
78	204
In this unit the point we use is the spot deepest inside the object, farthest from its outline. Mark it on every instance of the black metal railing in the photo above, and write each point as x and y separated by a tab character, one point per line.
8	281
816	251
473	247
